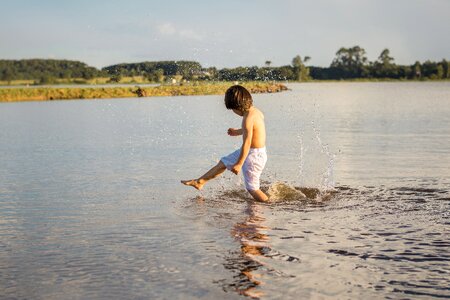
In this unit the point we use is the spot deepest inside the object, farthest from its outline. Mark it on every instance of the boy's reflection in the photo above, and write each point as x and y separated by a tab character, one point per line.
254	244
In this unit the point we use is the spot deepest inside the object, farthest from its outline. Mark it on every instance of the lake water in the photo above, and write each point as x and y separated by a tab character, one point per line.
91	206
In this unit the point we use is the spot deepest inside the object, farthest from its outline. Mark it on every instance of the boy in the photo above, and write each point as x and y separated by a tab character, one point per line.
251	157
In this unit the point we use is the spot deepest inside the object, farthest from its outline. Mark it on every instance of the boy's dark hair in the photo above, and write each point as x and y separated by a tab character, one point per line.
238	97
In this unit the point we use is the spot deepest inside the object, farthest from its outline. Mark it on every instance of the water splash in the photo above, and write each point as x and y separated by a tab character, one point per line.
308	130
302	157
280	191
327	180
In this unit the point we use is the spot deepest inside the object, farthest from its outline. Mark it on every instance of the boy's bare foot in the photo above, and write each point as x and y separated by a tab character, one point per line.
194	182
258	195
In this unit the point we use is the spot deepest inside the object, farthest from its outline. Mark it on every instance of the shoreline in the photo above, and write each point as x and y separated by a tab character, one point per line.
371	80
79	93
25	85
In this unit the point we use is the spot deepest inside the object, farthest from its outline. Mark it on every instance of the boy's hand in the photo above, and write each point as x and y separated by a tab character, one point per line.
234	131
236	168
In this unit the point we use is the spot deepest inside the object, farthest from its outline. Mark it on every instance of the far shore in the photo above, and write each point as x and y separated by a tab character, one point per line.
138	80
16	94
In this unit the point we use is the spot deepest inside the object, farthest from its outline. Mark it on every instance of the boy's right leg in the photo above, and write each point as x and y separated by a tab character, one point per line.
211	174
259	195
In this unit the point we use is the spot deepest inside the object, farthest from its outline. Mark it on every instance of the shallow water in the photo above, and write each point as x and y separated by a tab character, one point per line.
91	205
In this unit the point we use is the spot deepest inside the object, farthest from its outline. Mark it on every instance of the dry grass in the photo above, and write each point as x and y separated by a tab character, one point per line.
55	93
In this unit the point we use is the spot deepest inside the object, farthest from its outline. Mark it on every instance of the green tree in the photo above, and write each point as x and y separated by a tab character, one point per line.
88	74
67	73
417	70
440	71
115	78
46	79
404	72
301	72
351	62
284	73
35	69
446	68
156	75
7	74
384	67
385	57
208	74
429	69
188	69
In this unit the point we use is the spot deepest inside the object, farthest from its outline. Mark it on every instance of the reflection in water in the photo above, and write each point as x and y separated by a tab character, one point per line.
250	265
254	244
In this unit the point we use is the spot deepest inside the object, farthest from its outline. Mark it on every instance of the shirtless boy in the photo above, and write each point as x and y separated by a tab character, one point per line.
251	157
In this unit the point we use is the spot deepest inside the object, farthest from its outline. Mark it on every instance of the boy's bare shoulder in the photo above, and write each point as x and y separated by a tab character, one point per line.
257	114
254	116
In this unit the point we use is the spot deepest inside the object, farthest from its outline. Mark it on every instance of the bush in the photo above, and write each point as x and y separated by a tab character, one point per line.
46	79
115	78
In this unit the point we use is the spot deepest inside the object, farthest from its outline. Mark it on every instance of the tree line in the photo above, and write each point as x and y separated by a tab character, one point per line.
352	63
349	63
156	71
45	70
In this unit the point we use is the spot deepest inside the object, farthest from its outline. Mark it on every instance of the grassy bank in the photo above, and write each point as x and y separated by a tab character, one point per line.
55	93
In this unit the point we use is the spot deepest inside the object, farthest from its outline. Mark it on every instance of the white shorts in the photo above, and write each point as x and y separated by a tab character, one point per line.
252	167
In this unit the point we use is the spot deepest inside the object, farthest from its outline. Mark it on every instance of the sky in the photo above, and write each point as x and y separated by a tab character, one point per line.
222	33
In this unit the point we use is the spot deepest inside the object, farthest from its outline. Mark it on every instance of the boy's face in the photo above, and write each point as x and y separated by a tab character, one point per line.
238	112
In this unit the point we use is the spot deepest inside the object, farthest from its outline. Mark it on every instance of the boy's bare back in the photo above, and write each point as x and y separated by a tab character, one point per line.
253	121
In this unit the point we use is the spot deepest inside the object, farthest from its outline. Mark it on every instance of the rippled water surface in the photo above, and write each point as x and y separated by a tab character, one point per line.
91	206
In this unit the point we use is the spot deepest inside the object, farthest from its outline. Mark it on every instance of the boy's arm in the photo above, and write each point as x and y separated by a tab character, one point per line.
247	134
235	131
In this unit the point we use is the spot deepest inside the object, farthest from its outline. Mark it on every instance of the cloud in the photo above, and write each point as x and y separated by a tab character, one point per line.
168	29
190	34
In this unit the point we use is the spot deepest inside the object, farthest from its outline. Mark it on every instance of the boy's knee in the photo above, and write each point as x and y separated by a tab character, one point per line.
221	165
